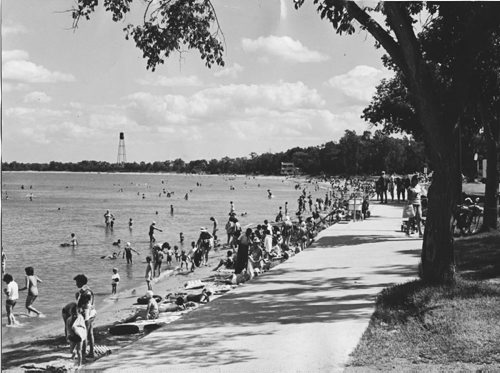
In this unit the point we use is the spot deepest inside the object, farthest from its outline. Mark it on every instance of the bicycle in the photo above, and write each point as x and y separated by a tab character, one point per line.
467	219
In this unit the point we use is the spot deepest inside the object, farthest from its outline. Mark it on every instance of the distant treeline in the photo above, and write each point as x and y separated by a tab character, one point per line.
352	155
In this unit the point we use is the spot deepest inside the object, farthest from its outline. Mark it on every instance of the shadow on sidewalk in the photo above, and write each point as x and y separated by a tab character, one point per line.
352	240
282	302
215	335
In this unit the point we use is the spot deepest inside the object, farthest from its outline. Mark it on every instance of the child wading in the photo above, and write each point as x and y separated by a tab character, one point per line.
115	279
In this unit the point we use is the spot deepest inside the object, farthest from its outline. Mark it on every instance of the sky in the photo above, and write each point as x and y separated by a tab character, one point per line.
289	80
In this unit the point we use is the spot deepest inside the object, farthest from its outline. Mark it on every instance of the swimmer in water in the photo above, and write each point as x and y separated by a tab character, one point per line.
152	230
112	256
130	222
73	241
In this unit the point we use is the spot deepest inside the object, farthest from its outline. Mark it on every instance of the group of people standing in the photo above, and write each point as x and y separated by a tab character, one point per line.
404	186
395	186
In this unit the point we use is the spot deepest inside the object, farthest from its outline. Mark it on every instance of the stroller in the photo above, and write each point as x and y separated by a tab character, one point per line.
409	223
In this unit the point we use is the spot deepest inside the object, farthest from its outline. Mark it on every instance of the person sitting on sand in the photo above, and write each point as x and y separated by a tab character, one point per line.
152	310
255	259
117	242
203	297
228	262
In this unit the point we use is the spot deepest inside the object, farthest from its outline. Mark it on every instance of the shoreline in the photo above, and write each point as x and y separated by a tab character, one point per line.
52	349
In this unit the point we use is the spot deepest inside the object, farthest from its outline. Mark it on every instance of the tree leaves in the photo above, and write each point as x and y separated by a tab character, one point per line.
168	26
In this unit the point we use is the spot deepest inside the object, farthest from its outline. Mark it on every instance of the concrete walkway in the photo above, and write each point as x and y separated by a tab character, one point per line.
306	315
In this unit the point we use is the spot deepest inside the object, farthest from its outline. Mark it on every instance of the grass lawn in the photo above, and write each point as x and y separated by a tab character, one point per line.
422	328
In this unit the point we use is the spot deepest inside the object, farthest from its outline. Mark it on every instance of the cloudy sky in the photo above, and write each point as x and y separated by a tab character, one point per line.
289	81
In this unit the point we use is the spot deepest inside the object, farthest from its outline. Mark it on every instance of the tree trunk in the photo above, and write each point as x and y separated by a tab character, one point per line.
438	261
491	188
440	138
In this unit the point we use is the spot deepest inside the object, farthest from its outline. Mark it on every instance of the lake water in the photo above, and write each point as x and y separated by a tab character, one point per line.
32	231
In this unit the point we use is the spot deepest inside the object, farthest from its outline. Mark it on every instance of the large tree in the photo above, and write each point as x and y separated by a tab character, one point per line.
438	127
168	25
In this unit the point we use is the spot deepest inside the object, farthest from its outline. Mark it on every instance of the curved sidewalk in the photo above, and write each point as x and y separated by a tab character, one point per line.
305	315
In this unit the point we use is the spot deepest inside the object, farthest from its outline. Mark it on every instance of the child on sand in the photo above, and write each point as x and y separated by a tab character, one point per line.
12	292
76	333
169	256
152	311
176	253
115	279
184	259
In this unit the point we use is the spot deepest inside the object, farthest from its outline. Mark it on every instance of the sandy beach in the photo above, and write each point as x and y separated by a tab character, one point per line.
53	350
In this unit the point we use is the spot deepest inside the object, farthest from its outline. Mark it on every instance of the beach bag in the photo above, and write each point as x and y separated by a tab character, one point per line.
79	330
408	212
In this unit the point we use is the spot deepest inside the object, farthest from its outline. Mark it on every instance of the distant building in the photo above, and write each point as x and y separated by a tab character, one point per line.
289	168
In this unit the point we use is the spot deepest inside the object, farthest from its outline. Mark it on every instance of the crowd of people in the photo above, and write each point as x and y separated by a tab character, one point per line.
248	252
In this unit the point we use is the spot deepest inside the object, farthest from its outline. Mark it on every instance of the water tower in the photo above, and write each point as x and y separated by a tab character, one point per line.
122	155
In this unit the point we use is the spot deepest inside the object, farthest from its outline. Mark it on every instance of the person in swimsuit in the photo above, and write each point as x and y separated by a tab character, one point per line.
149	273
152	310
12	293
4	260
73	241
107	218
152	230
32	286
85	303
127	252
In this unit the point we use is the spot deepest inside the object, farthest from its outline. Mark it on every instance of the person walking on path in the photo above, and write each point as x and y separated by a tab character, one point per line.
383	183
32	286
390	186
12	293
127	253
415	199
85	302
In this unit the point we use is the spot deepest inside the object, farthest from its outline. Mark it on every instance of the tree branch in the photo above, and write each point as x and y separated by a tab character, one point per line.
377	31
